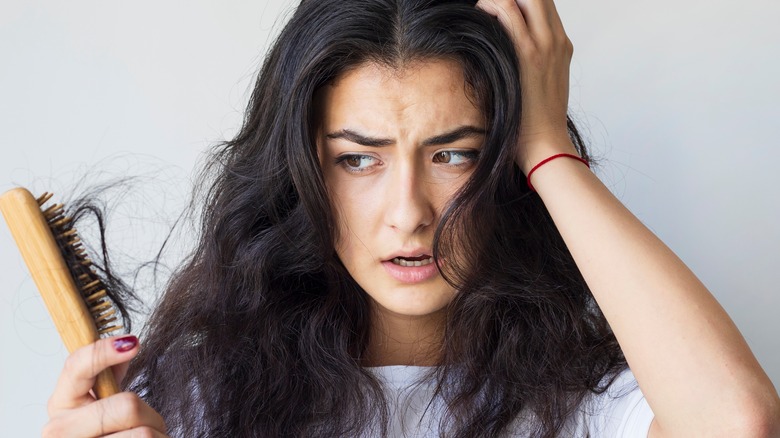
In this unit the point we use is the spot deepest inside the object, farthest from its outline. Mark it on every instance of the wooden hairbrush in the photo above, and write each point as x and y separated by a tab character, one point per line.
71	289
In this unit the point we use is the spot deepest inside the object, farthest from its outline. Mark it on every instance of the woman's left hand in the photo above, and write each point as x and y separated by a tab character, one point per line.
544	52
694	367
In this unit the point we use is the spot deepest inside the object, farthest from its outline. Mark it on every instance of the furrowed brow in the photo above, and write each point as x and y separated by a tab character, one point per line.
441	139
363	140
453	136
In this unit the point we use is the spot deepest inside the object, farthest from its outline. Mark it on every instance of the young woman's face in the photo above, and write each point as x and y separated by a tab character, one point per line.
395	146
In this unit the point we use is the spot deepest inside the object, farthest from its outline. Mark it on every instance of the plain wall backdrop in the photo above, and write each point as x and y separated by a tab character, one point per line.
679	99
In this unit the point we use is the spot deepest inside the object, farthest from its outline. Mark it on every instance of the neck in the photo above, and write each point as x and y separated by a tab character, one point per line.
405	340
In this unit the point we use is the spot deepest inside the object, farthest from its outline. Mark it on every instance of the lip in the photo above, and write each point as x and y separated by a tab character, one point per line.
411	274
414	252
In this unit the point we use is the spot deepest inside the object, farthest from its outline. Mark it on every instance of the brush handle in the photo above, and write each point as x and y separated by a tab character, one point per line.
52	277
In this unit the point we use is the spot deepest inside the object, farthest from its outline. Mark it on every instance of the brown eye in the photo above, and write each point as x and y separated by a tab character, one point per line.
442	157
353	161
456	158
356	163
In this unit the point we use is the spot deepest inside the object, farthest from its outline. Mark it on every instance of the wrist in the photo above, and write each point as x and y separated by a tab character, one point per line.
548	160
530	154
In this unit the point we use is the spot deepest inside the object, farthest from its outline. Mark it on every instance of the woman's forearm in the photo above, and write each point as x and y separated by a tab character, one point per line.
691	362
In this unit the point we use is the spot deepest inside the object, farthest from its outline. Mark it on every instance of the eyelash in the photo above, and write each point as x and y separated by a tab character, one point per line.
342	161
470	157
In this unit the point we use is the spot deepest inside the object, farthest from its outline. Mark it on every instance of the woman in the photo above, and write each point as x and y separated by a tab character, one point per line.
373	261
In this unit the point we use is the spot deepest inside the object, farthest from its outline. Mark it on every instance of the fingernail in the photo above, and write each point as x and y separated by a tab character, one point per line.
125	343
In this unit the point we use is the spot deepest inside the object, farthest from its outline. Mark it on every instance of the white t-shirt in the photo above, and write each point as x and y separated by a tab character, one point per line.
621	411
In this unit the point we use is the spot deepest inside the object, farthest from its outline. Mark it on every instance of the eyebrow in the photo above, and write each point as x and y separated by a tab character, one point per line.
446	138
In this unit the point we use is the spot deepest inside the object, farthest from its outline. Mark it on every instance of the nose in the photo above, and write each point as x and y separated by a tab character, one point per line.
409	207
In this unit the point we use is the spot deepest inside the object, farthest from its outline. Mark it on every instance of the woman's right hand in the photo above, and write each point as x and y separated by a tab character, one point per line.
73	409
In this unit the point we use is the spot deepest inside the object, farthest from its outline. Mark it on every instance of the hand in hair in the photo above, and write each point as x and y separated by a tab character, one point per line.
692	364
73	410
544	52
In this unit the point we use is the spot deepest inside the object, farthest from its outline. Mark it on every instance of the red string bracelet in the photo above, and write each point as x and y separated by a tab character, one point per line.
547	160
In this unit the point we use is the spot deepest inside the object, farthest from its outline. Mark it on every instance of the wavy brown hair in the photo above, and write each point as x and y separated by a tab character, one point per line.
262	331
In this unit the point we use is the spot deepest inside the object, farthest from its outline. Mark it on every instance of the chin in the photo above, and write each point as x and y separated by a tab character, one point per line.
414	305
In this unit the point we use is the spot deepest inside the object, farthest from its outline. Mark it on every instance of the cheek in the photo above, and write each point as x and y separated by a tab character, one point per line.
356	219
343	234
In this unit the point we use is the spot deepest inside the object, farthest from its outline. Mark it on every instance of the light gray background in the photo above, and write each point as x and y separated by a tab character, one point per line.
679	98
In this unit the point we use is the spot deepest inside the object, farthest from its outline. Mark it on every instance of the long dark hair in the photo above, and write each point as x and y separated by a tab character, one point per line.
262	332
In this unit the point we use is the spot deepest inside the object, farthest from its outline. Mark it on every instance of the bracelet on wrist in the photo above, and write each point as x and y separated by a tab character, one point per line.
547	160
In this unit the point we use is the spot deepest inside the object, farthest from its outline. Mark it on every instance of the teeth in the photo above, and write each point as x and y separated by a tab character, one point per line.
410	263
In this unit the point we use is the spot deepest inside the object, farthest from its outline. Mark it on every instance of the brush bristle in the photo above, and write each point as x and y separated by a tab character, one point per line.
91	287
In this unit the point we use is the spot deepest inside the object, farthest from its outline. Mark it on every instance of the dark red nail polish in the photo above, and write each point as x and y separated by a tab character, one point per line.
125	343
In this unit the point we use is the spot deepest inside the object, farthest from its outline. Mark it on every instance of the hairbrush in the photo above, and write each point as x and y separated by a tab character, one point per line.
74	294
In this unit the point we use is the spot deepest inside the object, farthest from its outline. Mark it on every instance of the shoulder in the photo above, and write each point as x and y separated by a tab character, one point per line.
620	411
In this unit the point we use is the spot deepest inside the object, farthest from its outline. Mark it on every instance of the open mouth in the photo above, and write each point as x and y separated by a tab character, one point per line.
412	269
409	262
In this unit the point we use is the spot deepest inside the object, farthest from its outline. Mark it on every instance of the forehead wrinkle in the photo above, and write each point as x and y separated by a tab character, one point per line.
391	108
